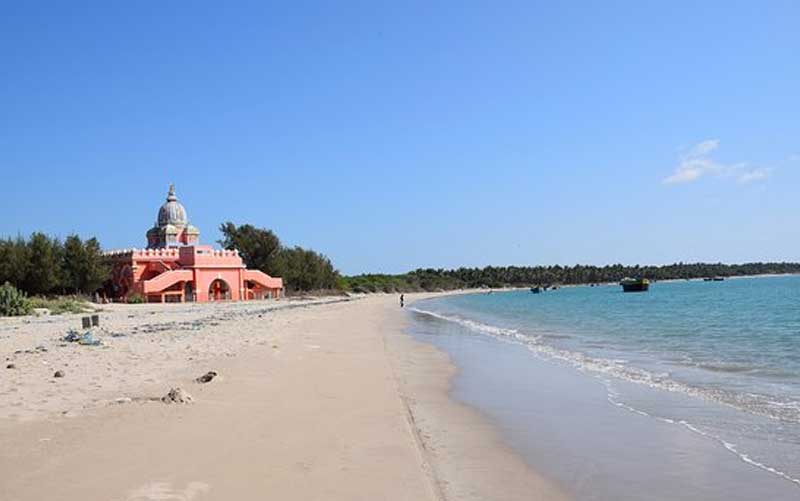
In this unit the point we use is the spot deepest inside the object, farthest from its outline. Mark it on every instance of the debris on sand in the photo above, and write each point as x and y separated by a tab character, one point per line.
58	374
11	366
71	336
86	339
177	396
207	377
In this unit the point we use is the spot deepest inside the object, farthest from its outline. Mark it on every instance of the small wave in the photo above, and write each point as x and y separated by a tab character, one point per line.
470	324
613	396
556	336
763	405
775	373
747	459
727	367
767	406
742	456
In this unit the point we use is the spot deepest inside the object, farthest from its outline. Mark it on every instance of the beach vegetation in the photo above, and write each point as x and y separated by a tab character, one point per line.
13	302
306	270
259	248
61	304
43	265
430	279
82	266
14	260
302	269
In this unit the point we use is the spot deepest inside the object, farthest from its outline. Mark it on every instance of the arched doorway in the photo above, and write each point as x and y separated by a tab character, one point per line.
251	290
219	290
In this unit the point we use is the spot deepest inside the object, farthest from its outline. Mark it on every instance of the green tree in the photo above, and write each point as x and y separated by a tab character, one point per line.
306	270
258	247
97	270
82	267
73	265
44	260
301	269
14	261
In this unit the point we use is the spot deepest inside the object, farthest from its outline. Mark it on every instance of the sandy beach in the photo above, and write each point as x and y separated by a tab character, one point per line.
324	399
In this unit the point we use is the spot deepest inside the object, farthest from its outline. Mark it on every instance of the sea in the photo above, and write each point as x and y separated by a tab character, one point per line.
688	391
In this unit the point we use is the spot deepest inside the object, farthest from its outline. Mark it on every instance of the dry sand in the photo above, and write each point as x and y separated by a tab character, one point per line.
314	400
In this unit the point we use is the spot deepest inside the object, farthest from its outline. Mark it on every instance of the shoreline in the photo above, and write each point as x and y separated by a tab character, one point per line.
471	456
326	401
619	427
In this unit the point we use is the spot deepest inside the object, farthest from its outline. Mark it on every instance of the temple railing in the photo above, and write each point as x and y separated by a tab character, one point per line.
144	253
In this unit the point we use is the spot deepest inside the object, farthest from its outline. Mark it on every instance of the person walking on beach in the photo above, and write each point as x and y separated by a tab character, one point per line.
402	300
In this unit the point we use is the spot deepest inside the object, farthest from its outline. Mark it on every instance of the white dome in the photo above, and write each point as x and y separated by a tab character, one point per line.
172	212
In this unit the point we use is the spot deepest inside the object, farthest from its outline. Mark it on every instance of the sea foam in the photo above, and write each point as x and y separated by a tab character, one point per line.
602	368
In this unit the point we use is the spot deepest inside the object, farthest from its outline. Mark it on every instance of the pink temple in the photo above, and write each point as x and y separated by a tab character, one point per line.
174	268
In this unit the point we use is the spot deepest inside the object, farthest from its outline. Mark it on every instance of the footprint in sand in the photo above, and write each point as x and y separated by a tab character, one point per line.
163	491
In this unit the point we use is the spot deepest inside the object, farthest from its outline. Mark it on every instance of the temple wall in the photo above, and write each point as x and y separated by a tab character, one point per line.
205	255
204	278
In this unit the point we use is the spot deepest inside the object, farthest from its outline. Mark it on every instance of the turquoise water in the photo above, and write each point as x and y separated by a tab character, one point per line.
720	359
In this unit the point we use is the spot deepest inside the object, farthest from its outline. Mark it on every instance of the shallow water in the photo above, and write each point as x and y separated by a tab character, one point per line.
692	383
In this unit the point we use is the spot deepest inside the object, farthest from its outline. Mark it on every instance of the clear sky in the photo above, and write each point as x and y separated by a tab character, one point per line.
397	135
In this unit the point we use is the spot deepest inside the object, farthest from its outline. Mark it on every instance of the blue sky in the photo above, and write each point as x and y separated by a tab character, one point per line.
396	135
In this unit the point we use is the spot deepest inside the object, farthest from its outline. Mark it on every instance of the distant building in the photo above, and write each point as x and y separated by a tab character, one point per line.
175	268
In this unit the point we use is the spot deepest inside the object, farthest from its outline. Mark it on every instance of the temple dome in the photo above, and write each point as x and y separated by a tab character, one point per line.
172	229
172	212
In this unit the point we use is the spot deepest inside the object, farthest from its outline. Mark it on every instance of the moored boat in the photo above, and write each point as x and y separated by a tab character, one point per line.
634	284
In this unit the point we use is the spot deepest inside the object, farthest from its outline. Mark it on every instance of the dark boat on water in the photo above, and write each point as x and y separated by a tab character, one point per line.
536	290
634	284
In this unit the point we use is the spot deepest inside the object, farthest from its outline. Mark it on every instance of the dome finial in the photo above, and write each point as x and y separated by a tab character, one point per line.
171	195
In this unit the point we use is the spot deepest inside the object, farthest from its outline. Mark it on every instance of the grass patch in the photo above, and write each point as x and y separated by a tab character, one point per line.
61	304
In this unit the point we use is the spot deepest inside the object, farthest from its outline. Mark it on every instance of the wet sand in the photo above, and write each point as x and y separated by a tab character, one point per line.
566	424
324	401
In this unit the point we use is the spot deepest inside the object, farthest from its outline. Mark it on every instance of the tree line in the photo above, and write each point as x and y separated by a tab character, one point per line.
42	265
301	269
529	276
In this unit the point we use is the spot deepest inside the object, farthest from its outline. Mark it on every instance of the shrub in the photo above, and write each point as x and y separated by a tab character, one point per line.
13	302
60	305
136	299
